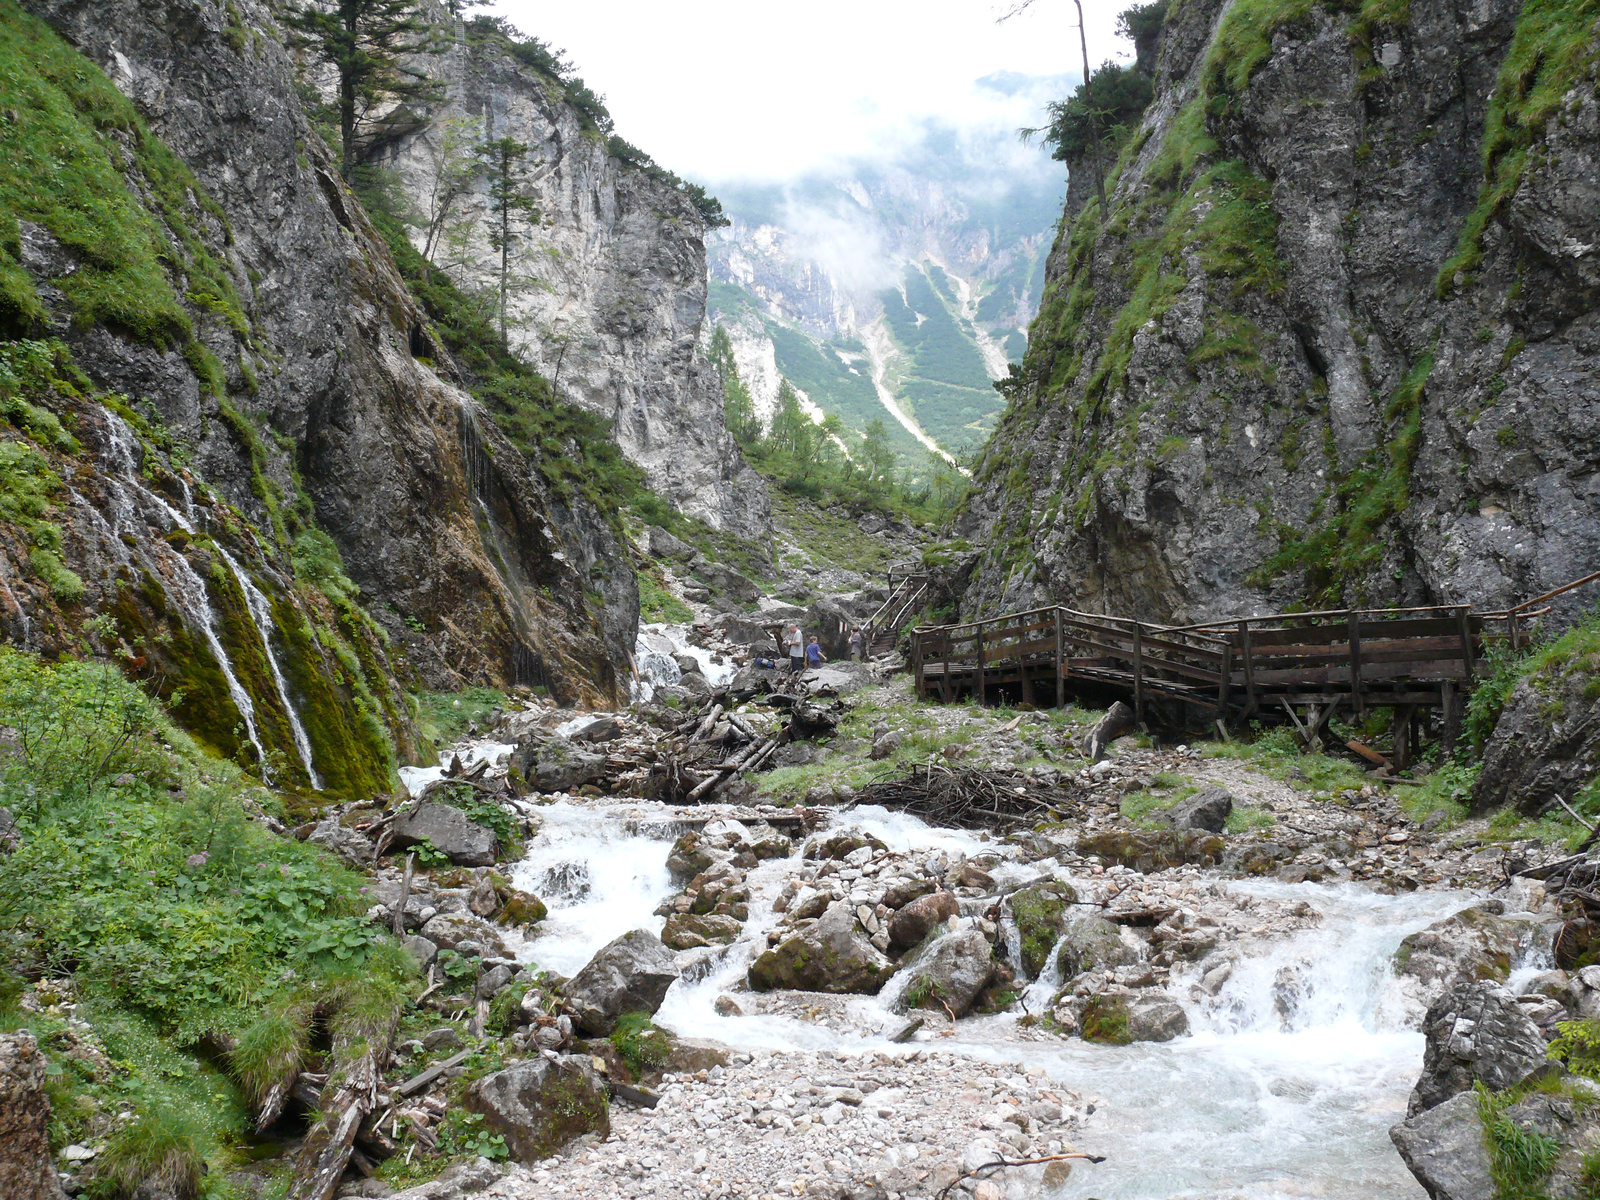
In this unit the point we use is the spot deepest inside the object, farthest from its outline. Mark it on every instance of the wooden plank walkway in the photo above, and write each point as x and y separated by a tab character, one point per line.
1406	659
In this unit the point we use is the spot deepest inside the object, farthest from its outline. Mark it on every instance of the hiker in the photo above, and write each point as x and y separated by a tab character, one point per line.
814	655
855	644
796	645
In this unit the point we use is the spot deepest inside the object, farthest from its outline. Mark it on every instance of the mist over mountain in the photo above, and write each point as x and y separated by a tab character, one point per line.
894	289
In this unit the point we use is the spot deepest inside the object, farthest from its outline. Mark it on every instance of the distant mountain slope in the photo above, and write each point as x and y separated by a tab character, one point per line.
896	292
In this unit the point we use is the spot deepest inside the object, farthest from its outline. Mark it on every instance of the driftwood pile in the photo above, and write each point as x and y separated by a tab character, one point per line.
687	769
969	797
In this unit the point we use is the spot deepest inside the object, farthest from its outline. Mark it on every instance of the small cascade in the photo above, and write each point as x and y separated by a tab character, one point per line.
22	613
654	652
261	614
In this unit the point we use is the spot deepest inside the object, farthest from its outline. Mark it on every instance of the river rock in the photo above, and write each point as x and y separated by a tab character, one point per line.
459	930
450	832
950	972
631	974
1444	1148
1090	942
1119	1019
541	1104
686	931
1476	1032
831	955
1040	914
26	1170
1153	850
920	917
840	843
1206	811
1476	943
904	891
564	767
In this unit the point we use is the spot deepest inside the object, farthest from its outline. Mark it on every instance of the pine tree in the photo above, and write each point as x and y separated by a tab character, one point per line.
511	208
363	41
877	457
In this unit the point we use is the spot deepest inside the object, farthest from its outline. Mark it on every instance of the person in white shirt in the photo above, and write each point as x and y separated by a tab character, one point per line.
797	649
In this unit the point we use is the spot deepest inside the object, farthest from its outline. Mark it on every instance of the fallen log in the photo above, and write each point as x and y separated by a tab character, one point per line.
643	1097
1119	719
421	1080
398	927
721	774
328	1147
707	723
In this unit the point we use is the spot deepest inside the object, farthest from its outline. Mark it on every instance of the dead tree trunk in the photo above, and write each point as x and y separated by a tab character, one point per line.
347	1101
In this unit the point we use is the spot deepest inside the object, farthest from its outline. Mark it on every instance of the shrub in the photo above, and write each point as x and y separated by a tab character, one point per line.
158	1153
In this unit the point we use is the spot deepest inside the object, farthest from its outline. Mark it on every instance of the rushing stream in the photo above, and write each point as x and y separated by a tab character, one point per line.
1287	1087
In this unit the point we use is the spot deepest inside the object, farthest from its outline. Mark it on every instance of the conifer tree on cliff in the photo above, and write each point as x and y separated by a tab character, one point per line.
363	41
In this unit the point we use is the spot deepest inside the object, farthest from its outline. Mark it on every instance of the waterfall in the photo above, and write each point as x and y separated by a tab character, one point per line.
22	613
261	615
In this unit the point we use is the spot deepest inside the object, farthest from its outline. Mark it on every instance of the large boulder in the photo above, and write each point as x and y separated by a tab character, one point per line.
665	545
1154	850
1207	811
1089	942
1444	1148
541	1104
920	917
950	972
26	1170
631	974
563	767
1040	914
1119	1019
449	831
1477	943
831	955
1477	1032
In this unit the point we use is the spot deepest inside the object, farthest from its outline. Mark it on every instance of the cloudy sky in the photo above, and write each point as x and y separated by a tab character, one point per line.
750	90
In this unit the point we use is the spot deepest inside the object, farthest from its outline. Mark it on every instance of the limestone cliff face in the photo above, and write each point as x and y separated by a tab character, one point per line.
1337	340
609	280
196	497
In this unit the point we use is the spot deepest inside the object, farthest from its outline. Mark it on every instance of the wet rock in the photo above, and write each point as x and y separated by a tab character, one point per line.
541	1104
564	767
1040	914
1476	1032
832	955
449	831
26	1169
688	664
631	974
1444	1148
686	931
1119	1019
1256	858
1206	811
1476	943
840	844
950	972
1153	851
1090	942
920	917
689	857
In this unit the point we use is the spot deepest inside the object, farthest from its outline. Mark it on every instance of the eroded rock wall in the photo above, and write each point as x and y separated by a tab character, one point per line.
1288	367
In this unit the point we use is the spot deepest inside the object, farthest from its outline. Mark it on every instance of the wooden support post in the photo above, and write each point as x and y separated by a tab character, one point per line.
1061	667
1511	631
1450	700
916	659
1138	675
1227	681
1249	669
1401	729
944	680
1468	654
1357	700
983	691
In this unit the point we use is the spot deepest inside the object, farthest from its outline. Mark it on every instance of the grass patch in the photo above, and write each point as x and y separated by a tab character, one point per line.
442	718
658	604
1275	753
832	539
642	1046
1520	1160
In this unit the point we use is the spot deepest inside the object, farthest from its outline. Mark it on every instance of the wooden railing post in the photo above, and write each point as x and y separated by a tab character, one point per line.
916	659
1138	675
944	680
1226	682
982	691
1356	697
1249	669
1468	654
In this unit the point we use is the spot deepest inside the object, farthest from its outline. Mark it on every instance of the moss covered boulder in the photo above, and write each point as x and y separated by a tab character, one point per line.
1476	944
1040	914
950	972
1155	850
540	1105
832	955
1121	1019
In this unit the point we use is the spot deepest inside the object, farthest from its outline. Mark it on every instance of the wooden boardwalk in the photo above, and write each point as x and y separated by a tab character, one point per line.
1408	659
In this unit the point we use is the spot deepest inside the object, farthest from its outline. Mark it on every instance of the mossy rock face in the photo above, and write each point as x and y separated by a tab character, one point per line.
1105	1020
1155	850
1039	912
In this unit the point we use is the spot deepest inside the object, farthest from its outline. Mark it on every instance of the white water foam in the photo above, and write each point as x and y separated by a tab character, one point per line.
1286	1088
